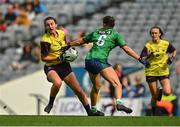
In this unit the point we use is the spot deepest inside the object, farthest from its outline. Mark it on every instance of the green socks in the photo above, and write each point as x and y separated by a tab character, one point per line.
93	109
118	102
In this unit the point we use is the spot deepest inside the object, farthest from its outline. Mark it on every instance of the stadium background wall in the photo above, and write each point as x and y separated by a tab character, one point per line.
28	95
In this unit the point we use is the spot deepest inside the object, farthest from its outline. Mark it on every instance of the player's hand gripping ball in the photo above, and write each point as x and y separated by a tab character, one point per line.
70	54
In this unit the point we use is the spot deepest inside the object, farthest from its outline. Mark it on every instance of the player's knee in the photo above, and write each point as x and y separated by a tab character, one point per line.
115	83
57	84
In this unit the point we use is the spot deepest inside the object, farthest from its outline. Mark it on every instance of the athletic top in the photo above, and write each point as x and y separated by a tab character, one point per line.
157	56
50	46
104	40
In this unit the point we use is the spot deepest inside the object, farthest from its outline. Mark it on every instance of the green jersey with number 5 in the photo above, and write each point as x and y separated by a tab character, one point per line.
104	40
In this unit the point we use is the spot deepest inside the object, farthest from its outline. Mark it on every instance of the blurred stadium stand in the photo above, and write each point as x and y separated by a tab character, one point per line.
134	18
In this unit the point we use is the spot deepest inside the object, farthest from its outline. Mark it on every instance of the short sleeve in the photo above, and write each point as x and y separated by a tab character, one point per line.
88	38
171	48
144	52
44	38
45	48
119	40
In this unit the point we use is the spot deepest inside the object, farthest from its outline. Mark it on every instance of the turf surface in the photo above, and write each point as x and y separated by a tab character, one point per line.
87	121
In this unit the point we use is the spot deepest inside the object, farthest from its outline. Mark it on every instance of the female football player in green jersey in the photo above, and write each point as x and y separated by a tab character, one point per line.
55	69
159	54
96	61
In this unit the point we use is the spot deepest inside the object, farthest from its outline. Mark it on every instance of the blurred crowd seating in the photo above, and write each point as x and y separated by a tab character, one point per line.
134	18
21	25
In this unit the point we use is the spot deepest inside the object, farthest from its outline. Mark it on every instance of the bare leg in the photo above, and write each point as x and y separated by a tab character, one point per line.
95	78
154	93
55	79
75	86
166	86
110	75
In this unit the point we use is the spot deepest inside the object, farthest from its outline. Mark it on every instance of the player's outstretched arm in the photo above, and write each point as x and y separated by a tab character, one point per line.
130	52
77	42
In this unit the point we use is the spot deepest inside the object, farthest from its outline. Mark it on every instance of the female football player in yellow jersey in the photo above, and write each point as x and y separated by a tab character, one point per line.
56	69
160	54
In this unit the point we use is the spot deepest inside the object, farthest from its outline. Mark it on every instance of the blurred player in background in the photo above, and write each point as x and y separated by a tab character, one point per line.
159	53
96	62
56	69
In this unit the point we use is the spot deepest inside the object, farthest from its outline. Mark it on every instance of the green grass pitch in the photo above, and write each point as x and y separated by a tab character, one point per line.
28	120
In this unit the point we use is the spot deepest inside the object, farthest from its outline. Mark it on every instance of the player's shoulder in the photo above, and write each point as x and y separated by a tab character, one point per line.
97	30
164	41
60	31
45	36
148	43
